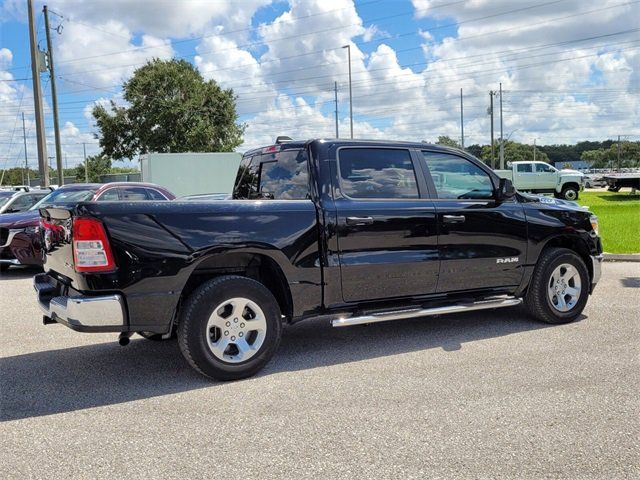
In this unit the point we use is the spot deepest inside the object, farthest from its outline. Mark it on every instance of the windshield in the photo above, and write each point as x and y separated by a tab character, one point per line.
4	197
64	197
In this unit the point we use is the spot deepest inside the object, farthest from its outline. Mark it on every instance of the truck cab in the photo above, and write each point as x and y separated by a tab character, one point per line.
352	231
540	177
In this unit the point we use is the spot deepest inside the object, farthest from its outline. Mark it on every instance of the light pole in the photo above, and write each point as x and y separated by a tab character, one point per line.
348	47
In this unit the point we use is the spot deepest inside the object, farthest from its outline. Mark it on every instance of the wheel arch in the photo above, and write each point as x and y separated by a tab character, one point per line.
573	243
246	263
571	184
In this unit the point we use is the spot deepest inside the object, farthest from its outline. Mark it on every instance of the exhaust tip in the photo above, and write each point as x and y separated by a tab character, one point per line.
123	339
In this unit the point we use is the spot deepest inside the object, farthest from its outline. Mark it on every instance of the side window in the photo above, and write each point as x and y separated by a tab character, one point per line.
524	168
287	178
246	185
544	168
109	195
377	173
133	194
154	194
457	177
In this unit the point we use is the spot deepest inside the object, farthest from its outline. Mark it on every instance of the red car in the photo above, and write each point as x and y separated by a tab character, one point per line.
19	232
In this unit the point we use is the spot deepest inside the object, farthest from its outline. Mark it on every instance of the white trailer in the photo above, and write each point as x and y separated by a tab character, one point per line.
191	173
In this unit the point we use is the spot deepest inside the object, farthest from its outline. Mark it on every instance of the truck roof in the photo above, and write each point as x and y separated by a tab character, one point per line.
351	141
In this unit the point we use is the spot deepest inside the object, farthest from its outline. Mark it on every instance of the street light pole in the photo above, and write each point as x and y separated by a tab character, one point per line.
41	142
348	47
26	158
54	97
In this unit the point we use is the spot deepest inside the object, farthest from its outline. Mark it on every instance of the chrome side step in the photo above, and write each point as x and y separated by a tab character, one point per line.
427	312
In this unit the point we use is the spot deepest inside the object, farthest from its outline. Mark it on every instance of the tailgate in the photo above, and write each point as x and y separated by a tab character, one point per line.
56	228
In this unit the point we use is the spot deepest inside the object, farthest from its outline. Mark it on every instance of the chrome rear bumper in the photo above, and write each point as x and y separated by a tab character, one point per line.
104	313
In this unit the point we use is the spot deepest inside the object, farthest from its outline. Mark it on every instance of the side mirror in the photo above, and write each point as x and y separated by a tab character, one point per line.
505	189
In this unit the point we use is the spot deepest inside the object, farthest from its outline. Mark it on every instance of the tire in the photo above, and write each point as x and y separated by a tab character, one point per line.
569	193
545	297
225	320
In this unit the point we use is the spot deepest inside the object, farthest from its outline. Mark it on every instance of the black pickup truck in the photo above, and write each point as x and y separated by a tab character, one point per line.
352	231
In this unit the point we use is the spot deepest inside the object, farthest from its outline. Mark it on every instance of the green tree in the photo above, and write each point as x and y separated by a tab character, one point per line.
608	158
170	108
98	165
447	142
514	152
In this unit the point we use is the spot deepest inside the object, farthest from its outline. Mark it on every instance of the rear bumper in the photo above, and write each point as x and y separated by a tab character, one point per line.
105	313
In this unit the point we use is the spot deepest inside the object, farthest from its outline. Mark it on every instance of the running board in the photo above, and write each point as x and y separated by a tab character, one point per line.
427	312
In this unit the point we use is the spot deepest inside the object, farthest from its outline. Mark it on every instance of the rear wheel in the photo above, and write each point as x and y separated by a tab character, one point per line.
559	287
230	328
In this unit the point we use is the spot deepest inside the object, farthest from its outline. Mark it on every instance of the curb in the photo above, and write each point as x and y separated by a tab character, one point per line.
621	257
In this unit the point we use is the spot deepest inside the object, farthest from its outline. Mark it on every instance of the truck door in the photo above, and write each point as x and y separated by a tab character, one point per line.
524	176
387	239
482	242
546	176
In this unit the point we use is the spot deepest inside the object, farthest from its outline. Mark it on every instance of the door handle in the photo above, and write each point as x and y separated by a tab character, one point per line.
359	220
453	218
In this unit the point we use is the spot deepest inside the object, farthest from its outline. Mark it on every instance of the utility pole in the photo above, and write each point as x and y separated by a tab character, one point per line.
348	47
335	91
54	98
534	149
501	133
37	100
86	165
26	160
493	148
461	121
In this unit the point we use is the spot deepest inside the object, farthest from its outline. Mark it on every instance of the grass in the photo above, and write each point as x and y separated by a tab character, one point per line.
619	219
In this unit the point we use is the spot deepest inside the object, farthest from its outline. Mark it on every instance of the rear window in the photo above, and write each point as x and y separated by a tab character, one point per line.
65	197
280	176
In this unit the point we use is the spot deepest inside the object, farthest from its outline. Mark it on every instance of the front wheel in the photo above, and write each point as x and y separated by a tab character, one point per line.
559	287
230	328
569	193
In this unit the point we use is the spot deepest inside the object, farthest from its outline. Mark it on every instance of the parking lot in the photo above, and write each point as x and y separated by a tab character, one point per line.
488	394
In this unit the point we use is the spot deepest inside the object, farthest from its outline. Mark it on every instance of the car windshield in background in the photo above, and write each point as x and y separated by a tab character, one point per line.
65	197
4	197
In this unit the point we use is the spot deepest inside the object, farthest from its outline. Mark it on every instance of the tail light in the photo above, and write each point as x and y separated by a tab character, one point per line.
91	249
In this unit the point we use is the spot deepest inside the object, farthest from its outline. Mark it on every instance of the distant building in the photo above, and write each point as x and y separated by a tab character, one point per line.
575	165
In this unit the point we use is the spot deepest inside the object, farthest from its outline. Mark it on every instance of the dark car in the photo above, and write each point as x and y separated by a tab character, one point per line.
349	231
20	242
21	200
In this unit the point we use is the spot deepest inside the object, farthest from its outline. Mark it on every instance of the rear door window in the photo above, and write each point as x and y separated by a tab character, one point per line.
133	194
109	195
377	173
524	168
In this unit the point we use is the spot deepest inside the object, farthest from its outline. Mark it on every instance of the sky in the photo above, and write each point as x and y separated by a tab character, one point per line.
570	69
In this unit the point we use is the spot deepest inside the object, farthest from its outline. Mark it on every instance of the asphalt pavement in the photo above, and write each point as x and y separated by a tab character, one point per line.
482	395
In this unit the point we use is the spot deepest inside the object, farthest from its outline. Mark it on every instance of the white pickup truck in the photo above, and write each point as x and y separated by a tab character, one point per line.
540	177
